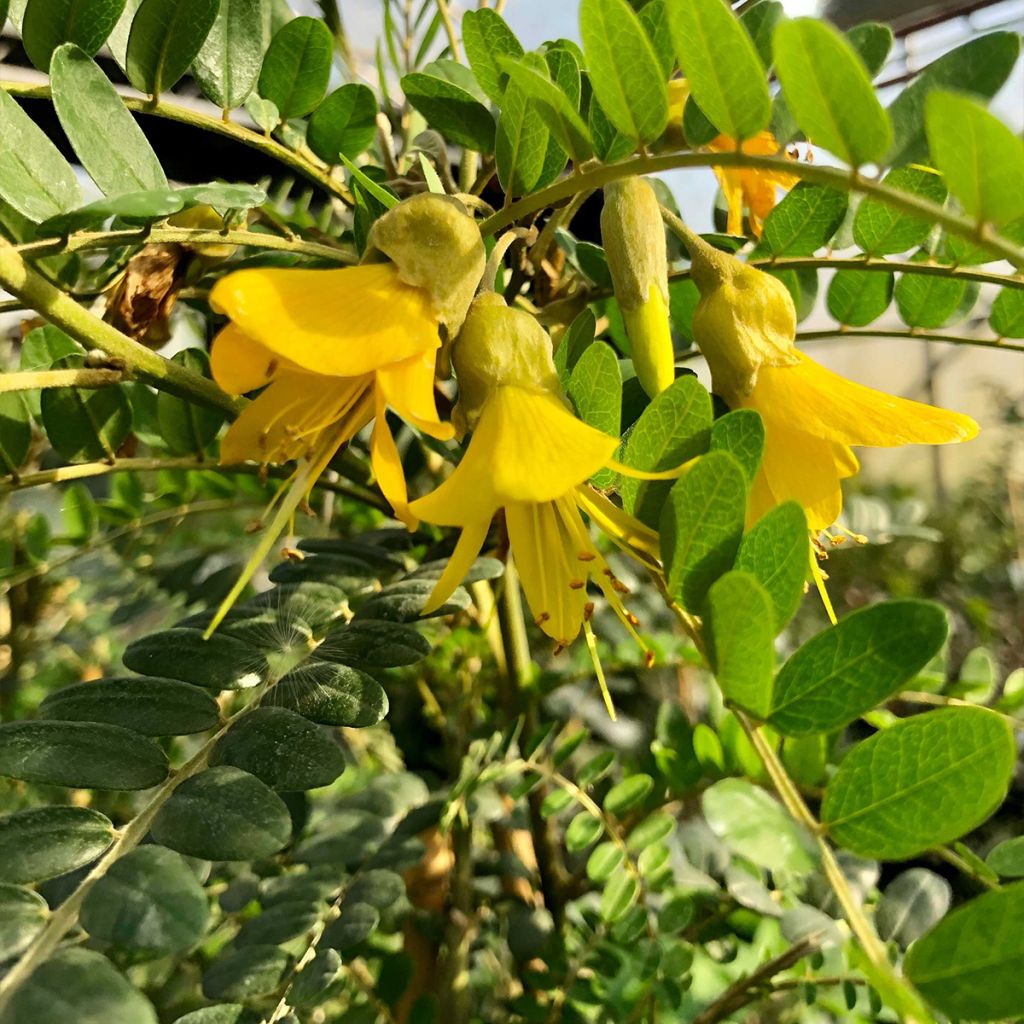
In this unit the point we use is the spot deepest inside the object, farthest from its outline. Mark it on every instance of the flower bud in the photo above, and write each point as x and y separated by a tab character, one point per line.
745	319
499	346
435	245
634	243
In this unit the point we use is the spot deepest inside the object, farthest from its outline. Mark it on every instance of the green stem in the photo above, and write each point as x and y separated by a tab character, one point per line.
237	132
601	175
18	278
39	379
84	240
911	335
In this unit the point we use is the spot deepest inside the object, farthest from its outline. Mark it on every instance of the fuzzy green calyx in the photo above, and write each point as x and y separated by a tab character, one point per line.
745	319
634	243
436	246
497	347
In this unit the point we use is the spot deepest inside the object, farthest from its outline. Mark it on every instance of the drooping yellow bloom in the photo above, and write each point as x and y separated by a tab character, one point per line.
750	188
530	456
745	325
337	348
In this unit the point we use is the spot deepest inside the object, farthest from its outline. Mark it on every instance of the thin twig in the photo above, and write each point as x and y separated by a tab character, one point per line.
41	379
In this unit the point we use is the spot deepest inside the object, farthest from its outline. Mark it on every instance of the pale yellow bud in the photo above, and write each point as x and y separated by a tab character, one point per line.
634	244
435	245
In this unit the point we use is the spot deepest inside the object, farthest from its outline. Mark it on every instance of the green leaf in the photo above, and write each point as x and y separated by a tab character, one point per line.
926	300
247	973
722	66
654	19
446	94
582	831
81	755
310	986
1006	318
739	621
354	926
15	431
805	220
979	67
701	527
971	965
653	829
555	802
44	842
166	35
828	90
486	37
331	695
102	133
923	781
846	670
223	1013
872	41
81	986
912	903
776	553
282	749
187	428
760	21
558	111
522	139
755	826
297	67
220	663
564	70
741	434
980	158
673	429
625	72
84	425
628	794
34	178
228	64
131	207
373	645
22	914
153	707
595	387
78	510
1007	858
346	122
619	895
859	297
148	901
48	23
223	813
278	924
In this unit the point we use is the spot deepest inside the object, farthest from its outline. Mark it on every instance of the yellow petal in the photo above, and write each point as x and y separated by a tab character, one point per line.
239	364
552	575
527	447
341	322
808	397
286	420
468	546
387	465
619	526
408	387
801	467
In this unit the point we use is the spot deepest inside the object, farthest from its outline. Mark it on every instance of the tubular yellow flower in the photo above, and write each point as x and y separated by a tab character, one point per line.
530	456
334	349
633	234
745	326
750	188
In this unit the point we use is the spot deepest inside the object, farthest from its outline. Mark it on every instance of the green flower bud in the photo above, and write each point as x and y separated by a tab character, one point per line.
499	346
745	319
634	244
436	246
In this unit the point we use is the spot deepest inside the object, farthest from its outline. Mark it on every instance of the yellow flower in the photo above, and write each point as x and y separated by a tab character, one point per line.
750	188
336	348
530	456
745	325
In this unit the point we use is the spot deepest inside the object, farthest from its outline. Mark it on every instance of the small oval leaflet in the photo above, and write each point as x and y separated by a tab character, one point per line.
151	706
331	695
43	842
81	755
22	914
220	663
246	973
223	814
282	749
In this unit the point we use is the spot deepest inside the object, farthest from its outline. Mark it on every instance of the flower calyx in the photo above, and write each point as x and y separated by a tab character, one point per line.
435	245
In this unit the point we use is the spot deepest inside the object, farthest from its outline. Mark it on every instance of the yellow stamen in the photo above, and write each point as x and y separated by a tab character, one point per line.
819	582
588	632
